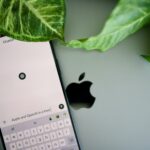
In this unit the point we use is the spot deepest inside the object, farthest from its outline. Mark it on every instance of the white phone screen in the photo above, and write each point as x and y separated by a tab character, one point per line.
31	94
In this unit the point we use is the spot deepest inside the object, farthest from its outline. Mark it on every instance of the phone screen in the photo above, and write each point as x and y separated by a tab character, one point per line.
33	110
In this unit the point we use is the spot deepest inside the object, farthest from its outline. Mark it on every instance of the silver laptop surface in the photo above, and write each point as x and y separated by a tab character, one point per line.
120	116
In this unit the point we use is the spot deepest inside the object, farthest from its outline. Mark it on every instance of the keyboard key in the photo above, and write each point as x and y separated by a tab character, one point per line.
33	141
13	137
42	147
13	146
27	133
53	136
7	138
26	143
39	139
35	148
19	144
20	135
66	131
33	131
62	142
28	149
47	128
60	124
48	146
54	126
67	122
46	137
60	133
40	130
55	144
71	140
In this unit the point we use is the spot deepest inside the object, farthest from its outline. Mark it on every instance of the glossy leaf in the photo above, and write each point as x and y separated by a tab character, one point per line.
128	17
147	57
32	20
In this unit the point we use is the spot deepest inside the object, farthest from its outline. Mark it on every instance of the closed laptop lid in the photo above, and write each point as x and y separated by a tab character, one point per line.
119	118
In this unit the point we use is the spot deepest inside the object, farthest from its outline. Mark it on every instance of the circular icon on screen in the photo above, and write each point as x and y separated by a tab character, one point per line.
22	76
61	106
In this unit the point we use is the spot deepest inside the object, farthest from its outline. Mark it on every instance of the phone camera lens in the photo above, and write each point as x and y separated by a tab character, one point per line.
61	106
22	76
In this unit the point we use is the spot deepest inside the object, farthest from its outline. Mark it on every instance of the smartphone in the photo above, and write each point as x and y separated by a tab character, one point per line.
34	113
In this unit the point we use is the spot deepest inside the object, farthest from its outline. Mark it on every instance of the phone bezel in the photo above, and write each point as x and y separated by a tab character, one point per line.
63	88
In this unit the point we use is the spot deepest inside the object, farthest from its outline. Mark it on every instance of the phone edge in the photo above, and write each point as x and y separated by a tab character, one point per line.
63	89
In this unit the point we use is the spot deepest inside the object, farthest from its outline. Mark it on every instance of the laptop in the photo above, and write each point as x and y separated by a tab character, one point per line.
119	118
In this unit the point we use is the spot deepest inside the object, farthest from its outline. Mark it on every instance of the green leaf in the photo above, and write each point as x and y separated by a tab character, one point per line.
32	20
147	57
128	17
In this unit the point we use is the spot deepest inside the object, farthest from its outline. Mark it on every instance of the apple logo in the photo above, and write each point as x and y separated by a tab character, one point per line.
79	95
